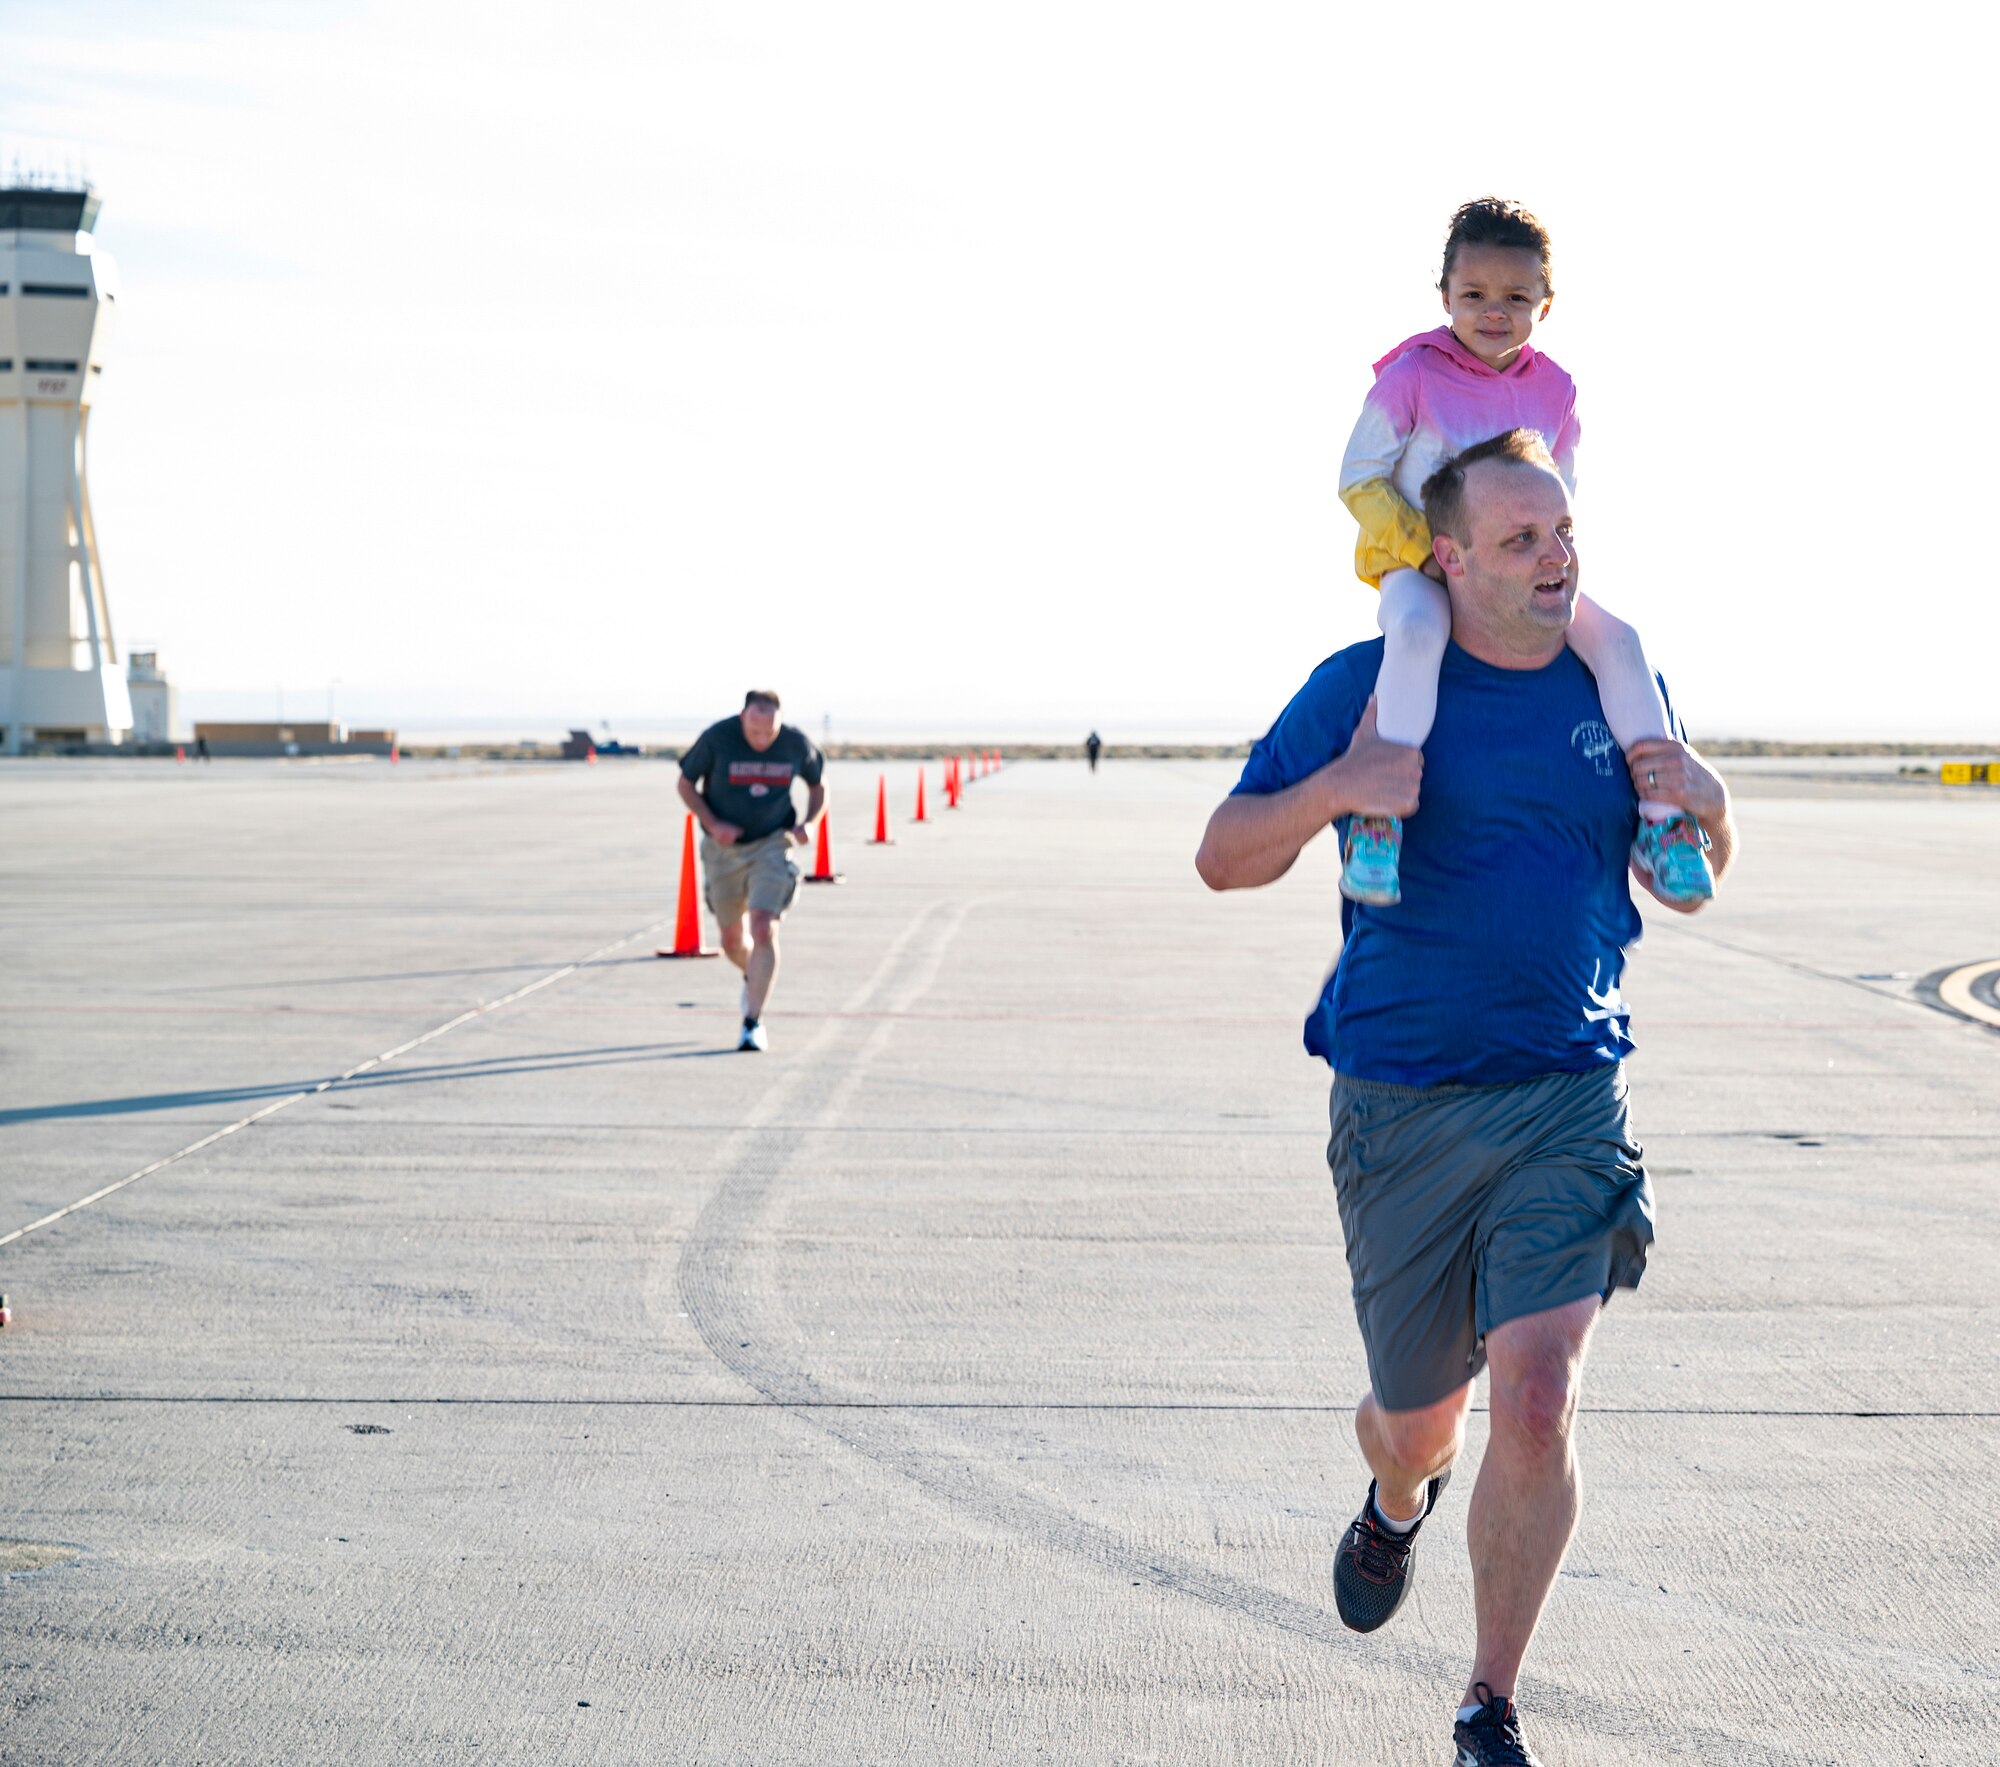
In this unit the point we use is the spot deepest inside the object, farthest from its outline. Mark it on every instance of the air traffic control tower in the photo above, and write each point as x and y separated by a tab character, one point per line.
59	674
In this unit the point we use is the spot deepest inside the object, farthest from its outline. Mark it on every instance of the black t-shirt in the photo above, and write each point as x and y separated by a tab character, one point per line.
752	790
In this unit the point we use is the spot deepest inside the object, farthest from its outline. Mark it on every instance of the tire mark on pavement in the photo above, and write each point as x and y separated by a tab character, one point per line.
735	1324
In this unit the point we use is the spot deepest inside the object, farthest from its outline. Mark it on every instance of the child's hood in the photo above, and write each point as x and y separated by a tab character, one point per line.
1445	342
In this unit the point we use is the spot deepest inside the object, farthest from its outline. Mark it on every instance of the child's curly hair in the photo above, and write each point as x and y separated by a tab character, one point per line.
1492	220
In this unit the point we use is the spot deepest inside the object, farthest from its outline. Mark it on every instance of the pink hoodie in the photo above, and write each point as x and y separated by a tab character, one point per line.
1432	397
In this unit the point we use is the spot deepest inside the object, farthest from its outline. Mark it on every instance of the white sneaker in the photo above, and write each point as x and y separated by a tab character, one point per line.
753	1038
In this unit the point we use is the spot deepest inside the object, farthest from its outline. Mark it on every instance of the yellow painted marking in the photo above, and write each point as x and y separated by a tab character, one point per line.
1956	992
34	1555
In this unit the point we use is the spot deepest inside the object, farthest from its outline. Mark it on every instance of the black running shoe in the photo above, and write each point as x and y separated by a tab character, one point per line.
1371	1571
1492	1737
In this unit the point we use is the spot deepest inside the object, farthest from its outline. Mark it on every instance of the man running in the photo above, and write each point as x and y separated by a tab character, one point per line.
1490	1191
737	779
1093	746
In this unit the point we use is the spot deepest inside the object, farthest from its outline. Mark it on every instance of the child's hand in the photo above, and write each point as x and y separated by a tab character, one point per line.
1432	569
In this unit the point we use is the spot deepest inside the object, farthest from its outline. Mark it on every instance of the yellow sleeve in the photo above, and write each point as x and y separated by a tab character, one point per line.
1393	535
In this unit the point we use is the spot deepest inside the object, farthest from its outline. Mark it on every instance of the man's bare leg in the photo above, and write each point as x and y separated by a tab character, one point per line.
1525	1505
1405	1450
734	946
761	969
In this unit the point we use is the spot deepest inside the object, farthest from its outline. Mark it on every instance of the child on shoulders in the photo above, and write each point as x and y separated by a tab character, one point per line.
1434	395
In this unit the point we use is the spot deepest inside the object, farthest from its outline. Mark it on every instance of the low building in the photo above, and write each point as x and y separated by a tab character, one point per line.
262	741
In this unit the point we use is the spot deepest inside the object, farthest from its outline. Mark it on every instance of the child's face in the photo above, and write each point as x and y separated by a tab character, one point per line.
1495	296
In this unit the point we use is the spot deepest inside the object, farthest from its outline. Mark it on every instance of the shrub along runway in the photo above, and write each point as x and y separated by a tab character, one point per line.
967	1378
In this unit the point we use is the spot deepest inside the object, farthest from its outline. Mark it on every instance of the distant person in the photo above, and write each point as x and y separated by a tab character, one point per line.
1435	394
201	749
1093	746
1490	1190
737	779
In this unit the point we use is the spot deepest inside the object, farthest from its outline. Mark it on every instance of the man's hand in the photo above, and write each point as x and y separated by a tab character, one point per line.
1253	839
800	835
1378	777
724	834
1670	772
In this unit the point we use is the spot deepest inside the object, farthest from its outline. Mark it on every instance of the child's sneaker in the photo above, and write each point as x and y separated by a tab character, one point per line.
1671	854
1374	852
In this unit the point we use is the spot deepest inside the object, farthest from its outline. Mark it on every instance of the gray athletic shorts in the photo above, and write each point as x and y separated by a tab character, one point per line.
1467	1206
749	874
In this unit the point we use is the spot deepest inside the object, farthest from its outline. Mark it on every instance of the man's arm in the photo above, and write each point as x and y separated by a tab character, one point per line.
1673	773
1254	839
722	833
815	803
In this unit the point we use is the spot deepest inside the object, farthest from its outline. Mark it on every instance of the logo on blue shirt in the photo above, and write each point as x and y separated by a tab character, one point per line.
1606	1003
1596	745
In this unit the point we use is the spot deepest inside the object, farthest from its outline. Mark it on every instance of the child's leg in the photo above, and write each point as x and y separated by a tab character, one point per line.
1625	684
1416	625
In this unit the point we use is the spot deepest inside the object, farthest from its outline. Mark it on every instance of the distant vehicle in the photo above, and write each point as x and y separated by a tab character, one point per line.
581	746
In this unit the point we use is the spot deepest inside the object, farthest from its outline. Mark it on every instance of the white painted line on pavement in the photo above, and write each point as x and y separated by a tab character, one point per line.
374	1061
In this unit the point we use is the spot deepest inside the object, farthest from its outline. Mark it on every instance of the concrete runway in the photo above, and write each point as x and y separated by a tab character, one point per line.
968	1379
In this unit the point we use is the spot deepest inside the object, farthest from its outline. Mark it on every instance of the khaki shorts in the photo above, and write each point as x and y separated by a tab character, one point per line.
750	874
1467	1206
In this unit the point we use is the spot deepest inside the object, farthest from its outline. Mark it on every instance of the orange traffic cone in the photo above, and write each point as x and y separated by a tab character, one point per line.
951	783
920	816
180	751
881	812
823	871
395	753
687	922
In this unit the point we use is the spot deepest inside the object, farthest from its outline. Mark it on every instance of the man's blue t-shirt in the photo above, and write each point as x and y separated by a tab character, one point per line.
1502	960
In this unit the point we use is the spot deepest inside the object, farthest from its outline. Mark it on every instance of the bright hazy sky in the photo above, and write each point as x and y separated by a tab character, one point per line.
981	365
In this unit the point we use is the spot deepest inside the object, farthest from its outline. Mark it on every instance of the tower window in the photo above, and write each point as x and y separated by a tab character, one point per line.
68	290
6	364
34	367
